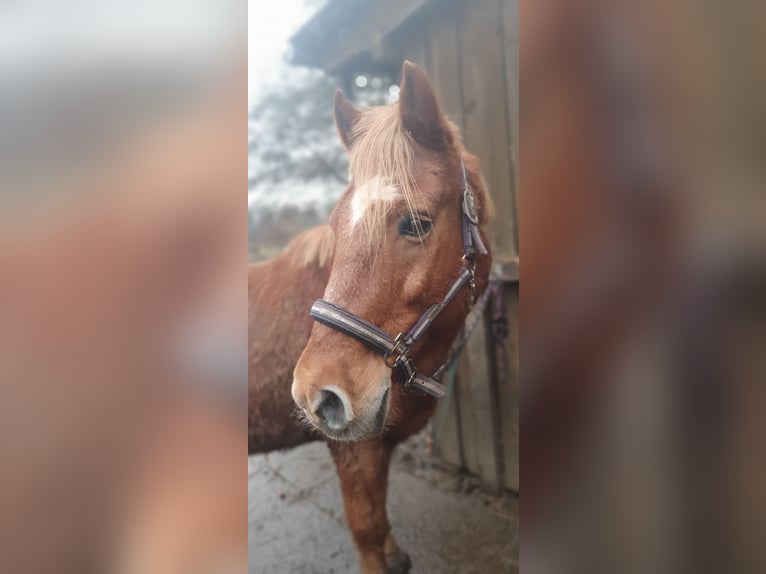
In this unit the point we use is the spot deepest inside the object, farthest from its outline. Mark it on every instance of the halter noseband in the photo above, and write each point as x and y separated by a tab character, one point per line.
396	351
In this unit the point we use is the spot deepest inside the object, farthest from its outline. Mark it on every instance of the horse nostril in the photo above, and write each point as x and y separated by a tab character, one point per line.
330	410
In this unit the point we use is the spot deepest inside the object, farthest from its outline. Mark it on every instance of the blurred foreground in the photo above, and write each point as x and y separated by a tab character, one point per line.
123	293
643	328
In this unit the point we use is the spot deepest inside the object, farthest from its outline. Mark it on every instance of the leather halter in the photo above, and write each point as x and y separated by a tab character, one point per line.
396	350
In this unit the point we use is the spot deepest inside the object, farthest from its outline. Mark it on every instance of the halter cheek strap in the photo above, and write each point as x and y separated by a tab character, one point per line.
396	350
472	242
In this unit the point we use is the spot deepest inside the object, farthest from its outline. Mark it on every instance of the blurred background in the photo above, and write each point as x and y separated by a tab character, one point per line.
122	286
642	327
297	165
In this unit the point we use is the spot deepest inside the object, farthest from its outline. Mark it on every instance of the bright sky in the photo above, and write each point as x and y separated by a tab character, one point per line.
271	23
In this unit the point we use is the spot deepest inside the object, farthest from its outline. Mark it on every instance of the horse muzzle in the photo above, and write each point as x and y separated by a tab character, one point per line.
330	410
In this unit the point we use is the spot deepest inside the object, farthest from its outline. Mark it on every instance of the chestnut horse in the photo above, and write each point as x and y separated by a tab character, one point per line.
393	248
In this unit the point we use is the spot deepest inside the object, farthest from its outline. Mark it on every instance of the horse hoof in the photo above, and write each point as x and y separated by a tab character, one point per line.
398	563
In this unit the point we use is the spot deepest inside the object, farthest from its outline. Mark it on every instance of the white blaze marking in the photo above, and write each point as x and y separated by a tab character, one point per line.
375	189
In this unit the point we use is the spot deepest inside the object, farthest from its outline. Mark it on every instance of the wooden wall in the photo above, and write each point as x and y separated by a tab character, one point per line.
470	50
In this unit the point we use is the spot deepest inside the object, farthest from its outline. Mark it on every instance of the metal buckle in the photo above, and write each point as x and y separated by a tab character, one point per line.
409	370
469	206
399	357
399	351
472	280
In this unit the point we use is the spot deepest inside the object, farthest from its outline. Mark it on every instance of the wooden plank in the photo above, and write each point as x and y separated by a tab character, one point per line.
508	271
486	114
508	390
408	43
510	19
443	70
446	429
477	411
416	51
509	394
486	121
445	66
467	412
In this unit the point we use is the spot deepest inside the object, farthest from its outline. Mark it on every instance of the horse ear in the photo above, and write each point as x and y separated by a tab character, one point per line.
419	108
345	116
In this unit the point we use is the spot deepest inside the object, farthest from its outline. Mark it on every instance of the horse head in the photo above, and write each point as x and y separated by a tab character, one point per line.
399	248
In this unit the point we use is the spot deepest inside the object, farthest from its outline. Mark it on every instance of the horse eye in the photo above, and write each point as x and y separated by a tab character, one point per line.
414	225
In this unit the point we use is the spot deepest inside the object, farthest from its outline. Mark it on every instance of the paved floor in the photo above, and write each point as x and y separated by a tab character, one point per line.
296	522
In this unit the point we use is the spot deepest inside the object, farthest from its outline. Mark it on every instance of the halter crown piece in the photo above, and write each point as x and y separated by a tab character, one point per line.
396	350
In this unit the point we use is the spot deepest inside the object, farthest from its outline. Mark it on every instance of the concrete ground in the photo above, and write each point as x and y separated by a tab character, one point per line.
296	521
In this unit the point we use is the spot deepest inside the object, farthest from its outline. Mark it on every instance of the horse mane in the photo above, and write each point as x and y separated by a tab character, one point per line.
313	246
382	155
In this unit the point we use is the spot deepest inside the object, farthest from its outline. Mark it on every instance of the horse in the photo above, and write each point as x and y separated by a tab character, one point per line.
393	256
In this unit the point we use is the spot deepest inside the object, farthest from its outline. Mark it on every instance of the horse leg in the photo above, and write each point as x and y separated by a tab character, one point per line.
363	472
